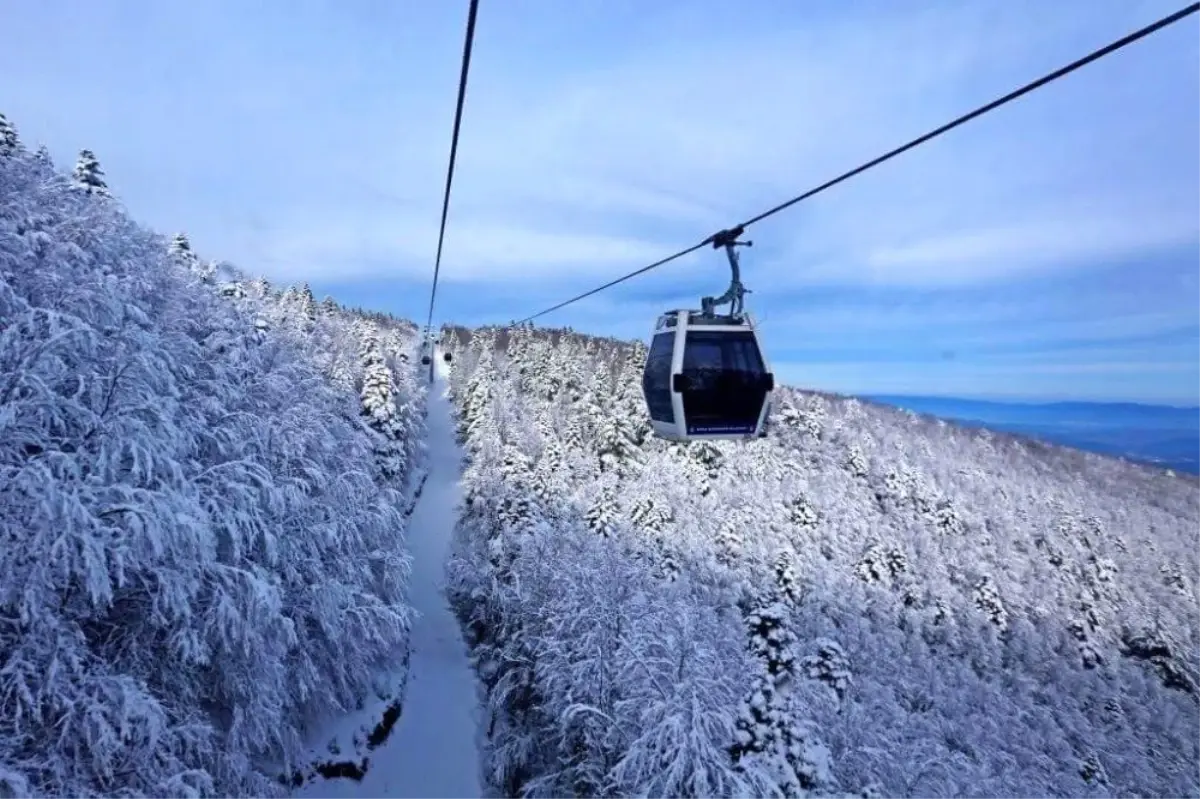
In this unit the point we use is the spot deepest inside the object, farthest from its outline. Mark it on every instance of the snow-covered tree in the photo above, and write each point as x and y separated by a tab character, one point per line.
919	589
197	559
379	408
181	248
88	175
8	137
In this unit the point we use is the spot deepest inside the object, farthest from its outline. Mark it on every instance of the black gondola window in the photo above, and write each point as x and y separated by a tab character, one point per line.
656	379
725	371
709	350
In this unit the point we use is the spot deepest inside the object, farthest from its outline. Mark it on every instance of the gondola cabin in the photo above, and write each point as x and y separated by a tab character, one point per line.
447	357
706	378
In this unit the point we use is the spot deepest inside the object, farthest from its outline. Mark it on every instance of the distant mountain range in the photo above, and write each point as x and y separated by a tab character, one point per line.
1164	435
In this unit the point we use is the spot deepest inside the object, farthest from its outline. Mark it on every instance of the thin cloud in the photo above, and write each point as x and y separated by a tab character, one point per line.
310	144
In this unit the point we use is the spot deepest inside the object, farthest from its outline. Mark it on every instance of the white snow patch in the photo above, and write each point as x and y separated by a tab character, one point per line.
433	751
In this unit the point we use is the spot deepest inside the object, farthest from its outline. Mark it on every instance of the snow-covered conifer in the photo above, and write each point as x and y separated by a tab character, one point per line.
602	515
88	175
730	542
379	407
197	562
901	518
8	137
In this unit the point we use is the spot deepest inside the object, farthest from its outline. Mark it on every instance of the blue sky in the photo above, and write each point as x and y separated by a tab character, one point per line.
1048	250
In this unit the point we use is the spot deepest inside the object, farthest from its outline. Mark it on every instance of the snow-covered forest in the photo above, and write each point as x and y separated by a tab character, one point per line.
203	491
867	602
205	488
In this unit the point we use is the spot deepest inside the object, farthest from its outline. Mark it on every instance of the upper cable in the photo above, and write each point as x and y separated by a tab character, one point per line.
1095	55
458	110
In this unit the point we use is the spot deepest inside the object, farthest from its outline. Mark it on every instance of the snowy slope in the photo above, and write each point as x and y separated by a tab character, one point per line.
433	749
205	557
202	532
865	601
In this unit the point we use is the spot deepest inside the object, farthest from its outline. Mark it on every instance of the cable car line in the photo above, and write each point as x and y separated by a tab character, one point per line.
458	110
612	283
1095	55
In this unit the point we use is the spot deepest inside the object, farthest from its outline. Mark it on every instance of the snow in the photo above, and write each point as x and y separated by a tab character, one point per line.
202	556
865	603
205	496
433	750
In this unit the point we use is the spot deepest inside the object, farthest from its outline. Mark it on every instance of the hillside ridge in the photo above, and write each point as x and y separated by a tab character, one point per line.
201	503
868	601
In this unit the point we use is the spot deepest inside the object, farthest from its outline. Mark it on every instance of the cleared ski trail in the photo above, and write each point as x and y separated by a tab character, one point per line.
433	751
